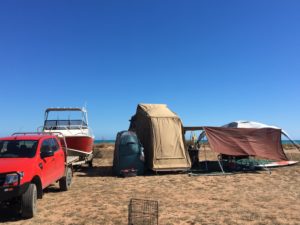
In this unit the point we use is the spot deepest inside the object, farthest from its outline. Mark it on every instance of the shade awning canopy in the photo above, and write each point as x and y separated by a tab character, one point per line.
253	124
260	142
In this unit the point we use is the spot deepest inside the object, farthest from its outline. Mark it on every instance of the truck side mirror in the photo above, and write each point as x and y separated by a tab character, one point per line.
45	154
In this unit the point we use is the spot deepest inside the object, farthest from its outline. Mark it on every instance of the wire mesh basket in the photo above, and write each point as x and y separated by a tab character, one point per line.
142	212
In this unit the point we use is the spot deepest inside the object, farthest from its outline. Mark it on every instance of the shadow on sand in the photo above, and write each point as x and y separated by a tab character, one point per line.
96	171
204	167
10	214
104	171
52	189
213	167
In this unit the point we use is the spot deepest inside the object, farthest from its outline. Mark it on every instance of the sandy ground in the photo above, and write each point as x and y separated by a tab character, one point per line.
96	197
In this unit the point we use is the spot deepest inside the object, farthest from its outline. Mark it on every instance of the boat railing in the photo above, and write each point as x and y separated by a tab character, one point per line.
69	128
65	127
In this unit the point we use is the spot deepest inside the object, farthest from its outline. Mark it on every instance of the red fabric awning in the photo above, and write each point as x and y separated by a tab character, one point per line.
263	142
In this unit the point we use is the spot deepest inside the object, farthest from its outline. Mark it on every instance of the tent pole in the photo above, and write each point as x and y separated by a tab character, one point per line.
220	164
296	145
206	166
268	169
202	136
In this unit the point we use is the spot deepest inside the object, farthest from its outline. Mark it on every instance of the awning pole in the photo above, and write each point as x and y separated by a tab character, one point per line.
294	143
220	164
206	166
266	168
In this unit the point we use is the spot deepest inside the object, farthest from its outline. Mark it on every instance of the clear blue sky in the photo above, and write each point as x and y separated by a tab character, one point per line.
212	62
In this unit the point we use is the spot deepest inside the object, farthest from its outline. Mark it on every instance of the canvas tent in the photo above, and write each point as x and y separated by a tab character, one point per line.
161	134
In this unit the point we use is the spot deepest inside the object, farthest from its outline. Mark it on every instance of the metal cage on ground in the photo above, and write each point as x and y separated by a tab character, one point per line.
142	212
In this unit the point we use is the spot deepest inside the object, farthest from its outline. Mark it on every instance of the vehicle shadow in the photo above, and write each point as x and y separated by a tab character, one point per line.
52	189
10	214
96	171
107	171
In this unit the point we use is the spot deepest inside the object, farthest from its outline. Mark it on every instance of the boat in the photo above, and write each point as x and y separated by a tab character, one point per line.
277	164
72	125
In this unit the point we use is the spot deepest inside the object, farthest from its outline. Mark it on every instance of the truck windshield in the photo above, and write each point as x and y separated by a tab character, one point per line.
17	148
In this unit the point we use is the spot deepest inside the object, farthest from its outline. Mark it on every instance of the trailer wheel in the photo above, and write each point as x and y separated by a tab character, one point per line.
65	182
29	201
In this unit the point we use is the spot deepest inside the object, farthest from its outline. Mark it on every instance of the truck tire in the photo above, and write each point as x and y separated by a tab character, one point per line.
28	202
65	182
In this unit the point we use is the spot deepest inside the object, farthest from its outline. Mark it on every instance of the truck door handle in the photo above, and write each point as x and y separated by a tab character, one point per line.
41	165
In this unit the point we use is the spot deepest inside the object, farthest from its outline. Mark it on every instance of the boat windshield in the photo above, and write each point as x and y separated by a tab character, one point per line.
62	120
17	148
64	124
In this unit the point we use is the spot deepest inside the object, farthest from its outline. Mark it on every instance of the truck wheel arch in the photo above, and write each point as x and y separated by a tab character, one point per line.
37	181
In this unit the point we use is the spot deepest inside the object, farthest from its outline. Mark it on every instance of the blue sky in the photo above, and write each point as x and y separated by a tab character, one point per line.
212	62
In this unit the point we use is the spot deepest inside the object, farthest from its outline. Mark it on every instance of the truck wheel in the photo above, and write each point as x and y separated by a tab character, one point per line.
65	182
28	202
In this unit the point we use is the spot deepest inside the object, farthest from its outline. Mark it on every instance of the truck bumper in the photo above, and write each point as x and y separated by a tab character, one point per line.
8	193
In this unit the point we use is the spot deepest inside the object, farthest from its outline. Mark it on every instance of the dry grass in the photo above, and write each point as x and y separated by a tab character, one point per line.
96	197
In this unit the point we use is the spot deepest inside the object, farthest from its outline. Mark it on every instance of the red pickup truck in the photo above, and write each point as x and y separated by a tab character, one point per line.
28	164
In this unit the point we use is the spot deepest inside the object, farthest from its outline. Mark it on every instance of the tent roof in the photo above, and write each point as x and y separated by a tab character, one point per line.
251	124
157	110
248	124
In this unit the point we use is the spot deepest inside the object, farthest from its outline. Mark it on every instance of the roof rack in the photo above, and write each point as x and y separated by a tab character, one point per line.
36	133
57	134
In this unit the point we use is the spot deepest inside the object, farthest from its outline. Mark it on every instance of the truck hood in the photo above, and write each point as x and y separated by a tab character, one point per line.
15	164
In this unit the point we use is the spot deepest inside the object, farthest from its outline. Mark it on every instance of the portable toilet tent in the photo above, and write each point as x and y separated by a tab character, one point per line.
128	153
161	134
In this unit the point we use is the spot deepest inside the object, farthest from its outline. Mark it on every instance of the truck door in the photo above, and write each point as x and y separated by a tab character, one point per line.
59	158
47	164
